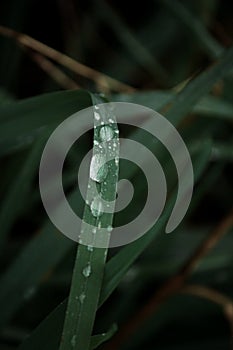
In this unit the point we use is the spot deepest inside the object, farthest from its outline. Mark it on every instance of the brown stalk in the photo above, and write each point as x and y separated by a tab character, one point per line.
55	73
100	79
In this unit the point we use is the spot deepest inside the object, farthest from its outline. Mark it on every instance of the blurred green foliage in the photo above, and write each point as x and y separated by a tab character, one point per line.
177	54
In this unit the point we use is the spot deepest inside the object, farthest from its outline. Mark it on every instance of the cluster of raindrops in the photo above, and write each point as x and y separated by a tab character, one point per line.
99	167
105	148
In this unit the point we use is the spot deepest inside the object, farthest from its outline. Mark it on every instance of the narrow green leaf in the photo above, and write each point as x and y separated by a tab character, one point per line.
22	121
90	261
214	107
198	87
97	340
207	106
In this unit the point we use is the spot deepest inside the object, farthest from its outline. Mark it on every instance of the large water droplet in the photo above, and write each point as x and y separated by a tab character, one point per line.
97	116
82	298
97	208
106	133
87	270
109	228
98	168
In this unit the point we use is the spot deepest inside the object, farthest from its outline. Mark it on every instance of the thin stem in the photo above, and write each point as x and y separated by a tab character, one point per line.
100	79
55	73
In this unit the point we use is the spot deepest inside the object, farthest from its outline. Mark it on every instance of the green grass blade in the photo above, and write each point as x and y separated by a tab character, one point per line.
214	107
208	106
198	87
22	121
97	340
90	261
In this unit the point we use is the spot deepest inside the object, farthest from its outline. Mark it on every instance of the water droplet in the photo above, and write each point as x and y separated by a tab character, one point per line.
96	142
97	208
73	341
106	133
96	115
111	121
98	168
82	298
117	160
109	228
90	248
87	270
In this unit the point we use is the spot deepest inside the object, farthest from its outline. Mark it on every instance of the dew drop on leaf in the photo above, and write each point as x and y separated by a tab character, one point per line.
97	208
87	270
98	168
106	133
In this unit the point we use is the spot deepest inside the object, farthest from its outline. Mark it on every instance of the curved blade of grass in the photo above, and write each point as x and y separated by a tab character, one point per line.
22	121
214	107
198	87
185	101
207	106
97	340
90	261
